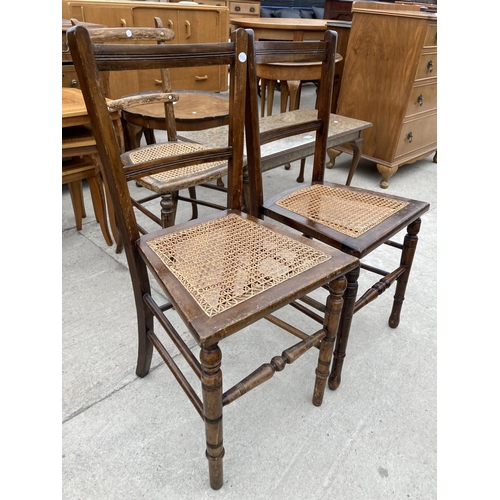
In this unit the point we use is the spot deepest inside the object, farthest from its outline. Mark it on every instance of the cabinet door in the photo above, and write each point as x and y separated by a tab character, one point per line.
190	25
112	17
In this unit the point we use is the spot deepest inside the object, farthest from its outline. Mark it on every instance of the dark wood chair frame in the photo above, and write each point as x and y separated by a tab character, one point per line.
208	331
408	217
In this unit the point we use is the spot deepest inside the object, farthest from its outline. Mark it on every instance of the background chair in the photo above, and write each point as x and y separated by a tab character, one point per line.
165	186
223	272
80	162
355	221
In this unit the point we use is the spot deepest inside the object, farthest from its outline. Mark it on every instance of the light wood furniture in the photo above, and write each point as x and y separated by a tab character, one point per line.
80	160
193	111
390	80
190	23
266	28
281	28
221	273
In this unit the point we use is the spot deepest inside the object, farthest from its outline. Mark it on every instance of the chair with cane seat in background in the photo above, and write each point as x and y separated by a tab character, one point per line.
164	186
223	272
353	220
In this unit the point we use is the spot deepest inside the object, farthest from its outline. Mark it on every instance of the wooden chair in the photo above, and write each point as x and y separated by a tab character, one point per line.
164	186
223	272
353	220
80	162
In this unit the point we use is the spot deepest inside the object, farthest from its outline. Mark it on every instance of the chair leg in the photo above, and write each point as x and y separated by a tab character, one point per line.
407	255
97	193
331	324
270	96
211	382
131	135
76	194
168	206
145	324
112	220
294	88
345	326
149	135
283	96
263	92
194	206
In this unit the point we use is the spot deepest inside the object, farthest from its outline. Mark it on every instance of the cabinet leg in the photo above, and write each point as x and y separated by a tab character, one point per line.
386	173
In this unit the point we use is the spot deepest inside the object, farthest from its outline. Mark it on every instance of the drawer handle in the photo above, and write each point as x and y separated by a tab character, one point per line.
170	24
187	25
201	78
123	22
237	8
420	100
252	9
430	66
74	83
410	137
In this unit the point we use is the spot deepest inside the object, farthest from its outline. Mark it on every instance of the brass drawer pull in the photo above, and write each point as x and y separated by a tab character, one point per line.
410	137
420	100
430	66
201	78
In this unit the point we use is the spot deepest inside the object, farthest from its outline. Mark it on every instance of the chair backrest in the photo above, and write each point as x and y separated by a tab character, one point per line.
91	57
265	52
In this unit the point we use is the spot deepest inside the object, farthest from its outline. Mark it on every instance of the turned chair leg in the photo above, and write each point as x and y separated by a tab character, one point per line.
407	255
345	326
168	206
211	383
76	194
331	324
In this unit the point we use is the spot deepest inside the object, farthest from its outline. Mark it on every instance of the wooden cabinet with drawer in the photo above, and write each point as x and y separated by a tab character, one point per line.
390	80
191	24
248	8
243	8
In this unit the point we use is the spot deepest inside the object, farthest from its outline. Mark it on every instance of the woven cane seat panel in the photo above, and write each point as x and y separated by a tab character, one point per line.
172	149
226	261
350	212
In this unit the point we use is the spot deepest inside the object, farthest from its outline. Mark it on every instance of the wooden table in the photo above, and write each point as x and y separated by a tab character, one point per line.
341	130
74	116
74	113
281	28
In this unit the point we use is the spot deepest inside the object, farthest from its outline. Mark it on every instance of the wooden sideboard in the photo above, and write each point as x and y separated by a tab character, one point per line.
191	24
390	80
